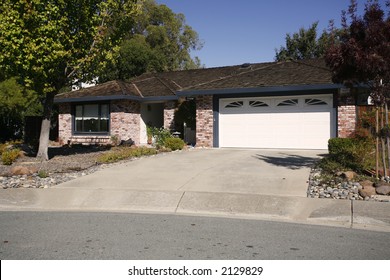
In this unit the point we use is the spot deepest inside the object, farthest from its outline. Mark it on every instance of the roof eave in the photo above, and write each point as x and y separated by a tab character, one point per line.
114	97
267	89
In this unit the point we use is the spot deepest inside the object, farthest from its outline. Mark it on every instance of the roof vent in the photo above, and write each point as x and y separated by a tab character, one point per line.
245	66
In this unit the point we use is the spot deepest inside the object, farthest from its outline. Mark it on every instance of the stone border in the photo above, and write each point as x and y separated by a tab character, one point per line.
340	187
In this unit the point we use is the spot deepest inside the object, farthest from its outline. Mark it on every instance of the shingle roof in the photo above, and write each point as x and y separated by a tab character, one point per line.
111	88
169	84
272	75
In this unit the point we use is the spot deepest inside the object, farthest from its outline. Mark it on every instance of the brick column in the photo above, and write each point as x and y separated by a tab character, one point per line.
169	114
346	111
204	121
125	120
64	123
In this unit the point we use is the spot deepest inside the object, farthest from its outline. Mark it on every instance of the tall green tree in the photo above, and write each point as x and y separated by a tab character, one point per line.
158	40
168	34
304	44
133	58
51	43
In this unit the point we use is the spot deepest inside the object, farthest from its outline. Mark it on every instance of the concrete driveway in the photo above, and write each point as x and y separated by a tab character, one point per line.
267	172
259	184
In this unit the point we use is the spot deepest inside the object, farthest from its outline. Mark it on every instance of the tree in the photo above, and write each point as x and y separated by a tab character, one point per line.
362	56
49	44
16	102
134	58
158	40
168	34
303	44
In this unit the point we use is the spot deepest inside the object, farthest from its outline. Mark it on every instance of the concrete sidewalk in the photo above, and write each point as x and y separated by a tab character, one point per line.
255	184
342	213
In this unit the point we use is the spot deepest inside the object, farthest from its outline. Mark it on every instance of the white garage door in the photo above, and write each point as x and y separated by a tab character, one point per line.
298	122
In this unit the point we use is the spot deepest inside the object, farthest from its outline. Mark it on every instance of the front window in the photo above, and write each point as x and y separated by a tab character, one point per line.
92	118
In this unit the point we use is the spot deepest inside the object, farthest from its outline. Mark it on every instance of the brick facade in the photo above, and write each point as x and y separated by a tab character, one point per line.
204	121
125	120
124	124
346	112
64	123
169	114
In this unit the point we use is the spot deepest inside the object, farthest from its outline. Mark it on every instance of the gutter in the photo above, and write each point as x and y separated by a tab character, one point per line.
272	89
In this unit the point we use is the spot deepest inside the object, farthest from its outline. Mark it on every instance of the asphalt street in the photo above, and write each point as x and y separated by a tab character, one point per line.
93	235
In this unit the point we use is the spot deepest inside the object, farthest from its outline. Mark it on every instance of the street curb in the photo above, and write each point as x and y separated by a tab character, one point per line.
339	213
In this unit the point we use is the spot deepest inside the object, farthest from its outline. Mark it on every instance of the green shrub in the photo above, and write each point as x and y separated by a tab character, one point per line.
109	157
9	156
121	153
9	145
329	165
115	140
3	147
340	150
174	143
164	150
161	135
43	174
352	153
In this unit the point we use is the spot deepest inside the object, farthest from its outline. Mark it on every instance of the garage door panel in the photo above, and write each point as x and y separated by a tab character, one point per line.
292	127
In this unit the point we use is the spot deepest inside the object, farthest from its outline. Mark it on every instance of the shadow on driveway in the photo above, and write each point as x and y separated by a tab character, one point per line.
289	161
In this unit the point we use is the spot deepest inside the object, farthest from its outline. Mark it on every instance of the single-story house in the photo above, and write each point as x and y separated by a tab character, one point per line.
287	105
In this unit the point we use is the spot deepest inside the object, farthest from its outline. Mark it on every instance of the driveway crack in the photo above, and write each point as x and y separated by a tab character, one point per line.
193	177
178	204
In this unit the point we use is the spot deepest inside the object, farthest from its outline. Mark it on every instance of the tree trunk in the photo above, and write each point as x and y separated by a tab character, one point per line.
45	127
387	132
377	142
383	147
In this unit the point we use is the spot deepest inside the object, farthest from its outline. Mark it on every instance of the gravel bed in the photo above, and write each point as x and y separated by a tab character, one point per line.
34	181
337	188
65	164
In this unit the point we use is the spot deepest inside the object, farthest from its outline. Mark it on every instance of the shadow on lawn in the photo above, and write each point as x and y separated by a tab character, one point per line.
293	162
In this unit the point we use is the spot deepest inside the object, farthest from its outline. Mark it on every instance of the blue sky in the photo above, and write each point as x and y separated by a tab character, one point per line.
239	31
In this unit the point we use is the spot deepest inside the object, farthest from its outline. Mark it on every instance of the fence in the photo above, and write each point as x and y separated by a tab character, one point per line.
189	136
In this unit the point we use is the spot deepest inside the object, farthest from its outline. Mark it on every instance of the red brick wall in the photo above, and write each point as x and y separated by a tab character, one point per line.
125	120
124	123
64	123
346	111
204	121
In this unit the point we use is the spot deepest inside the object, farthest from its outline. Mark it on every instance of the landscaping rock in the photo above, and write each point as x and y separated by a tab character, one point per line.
23	170
383	189
365	183
128	142
340	188
349	175
367	191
